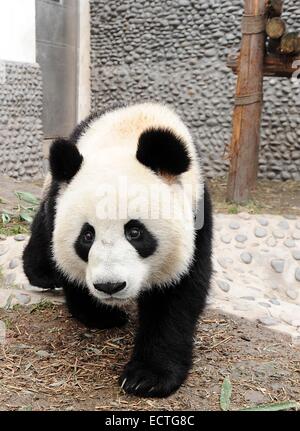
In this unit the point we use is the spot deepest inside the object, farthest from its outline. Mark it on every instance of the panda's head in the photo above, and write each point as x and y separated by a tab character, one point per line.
120	224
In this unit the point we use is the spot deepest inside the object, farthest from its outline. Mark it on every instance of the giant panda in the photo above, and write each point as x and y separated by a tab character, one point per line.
104	258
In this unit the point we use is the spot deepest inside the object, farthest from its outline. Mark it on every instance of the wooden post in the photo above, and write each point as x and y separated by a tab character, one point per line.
244	147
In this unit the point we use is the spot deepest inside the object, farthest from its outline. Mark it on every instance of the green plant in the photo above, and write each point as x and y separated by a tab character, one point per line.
17	222
42	305
225	399
14	228
27	206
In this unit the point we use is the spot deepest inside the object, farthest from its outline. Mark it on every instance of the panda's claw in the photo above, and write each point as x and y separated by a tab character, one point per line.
142	380
123	383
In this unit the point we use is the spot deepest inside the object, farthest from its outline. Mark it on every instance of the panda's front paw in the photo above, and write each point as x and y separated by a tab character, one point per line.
146	380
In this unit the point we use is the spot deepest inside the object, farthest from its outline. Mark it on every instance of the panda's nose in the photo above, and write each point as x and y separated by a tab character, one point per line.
110	288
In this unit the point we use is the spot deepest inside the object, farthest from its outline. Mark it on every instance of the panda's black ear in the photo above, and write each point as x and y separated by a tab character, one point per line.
163	152
65	160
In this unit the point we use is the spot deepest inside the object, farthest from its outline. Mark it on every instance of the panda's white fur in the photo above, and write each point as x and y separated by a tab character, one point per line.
109	147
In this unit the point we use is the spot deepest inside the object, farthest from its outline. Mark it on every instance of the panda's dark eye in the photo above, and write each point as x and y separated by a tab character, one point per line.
133	234
88	236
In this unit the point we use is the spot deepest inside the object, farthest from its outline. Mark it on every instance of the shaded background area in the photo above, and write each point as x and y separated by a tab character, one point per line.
175	52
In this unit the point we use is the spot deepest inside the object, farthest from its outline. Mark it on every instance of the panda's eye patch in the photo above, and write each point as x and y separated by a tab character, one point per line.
85	241
140	238
133	233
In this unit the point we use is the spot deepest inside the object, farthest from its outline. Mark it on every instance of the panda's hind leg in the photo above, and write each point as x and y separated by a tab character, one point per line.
91	312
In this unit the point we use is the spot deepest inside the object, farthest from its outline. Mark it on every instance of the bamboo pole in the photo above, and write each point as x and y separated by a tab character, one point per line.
244	147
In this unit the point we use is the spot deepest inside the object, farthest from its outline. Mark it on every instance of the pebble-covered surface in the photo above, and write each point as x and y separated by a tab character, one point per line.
256	274
257	269
21	132
175	51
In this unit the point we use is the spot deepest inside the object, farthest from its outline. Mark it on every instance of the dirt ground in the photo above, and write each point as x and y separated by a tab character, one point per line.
269	197
51	362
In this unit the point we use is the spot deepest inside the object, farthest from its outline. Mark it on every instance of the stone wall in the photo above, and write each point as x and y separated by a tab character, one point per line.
175	51
21	134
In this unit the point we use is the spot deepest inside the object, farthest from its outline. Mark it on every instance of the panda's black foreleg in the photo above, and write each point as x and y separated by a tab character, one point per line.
163	349
91	312
37	262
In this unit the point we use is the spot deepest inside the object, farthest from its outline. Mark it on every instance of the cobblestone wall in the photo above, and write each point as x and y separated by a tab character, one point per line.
21	134
175	51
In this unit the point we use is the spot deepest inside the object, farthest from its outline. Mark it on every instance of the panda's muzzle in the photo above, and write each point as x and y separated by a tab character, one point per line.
110	288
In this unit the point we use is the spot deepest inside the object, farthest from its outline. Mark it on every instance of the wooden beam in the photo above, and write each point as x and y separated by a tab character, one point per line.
275	28
274	7
274	65
244	146
290	43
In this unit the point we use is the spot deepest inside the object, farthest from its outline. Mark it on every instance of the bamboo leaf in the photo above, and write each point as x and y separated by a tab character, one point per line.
5	218
273	407
24	216
27	197
225	396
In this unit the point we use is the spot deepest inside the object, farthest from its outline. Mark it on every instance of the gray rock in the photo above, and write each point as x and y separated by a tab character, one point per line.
20	237
290	243
278	265
278	234
10	279
3	250
43	354
223	285
297	274
264	304
297	225
14	263
296	234
291	293
268	321
21	346
274	286
274	301
246	257
2	238
244	216
248	298
226	238
289	216
241	238
263	221
260	232
225	261
296	254
228	277
22	298
234	225
283	224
